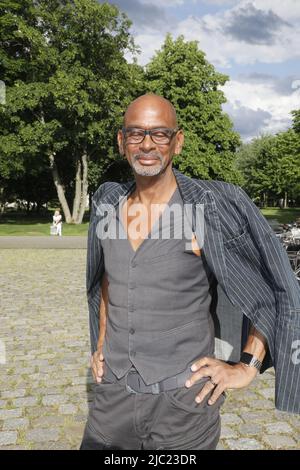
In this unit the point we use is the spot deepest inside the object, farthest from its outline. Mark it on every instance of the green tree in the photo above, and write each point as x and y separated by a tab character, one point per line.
287	179
270	165
180	72
257	162
296	121
67	84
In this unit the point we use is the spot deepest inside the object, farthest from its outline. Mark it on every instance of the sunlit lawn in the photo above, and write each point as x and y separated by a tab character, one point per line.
16	224
283	216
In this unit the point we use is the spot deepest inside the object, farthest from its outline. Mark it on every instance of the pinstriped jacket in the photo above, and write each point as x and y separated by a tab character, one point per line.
255	283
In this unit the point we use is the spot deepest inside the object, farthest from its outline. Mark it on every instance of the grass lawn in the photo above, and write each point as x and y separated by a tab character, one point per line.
17	224
283	216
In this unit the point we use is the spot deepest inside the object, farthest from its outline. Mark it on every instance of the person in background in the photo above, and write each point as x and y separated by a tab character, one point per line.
57	222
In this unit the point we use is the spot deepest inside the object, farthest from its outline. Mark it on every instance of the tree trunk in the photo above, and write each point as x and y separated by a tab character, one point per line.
265	200
77	196
285	200
2	202
60	189
81	189
84	188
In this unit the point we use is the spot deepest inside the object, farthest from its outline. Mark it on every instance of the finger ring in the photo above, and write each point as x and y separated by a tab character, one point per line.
214	384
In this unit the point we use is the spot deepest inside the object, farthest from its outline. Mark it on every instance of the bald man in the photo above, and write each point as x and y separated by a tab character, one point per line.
158	382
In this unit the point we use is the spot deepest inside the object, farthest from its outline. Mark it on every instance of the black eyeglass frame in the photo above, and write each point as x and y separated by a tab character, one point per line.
149	132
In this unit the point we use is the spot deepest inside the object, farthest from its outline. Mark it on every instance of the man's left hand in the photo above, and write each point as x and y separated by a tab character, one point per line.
222	376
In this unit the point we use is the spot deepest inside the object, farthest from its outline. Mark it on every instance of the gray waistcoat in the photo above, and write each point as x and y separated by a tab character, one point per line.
159	304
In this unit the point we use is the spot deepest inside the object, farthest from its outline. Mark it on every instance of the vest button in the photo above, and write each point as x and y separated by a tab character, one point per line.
132	331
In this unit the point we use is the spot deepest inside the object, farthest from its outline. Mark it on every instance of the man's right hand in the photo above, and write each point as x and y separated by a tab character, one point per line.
97	365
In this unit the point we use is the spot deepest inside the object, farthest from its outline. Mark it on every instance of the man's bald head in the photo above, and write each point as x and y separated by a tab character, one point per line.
151	105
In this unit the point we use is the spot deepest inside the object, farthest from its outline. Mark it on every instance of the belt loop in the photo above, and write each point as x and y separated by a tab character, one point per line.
128	388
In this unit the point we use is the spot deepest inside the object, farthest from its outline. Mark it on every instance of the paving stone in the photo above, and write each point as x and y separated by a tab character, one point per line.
227	432
54	399
48	421
267	392
67	409
294	420
24	402
81	380
75	432
80	418
15	424
13	393
51	391
279	441
13	447
40	411
278	428
259	417
244	444
230	418
221	446
262	404
8	437
43	435
58	445
250	429
7	414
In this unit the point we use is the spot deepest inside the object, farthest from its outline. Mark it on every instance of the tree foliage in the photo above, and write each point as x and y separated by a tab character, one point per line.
67	83
270	165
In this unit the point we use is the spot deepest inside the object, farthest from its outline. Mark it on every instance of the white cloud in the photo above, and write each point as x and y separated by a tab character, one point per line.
224	49
148	43
286	9
272	107
217	2
276	41
163	3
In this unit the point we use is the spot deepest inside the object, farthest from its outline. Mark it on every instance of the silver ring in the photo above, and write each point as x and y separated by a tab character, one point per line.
214	384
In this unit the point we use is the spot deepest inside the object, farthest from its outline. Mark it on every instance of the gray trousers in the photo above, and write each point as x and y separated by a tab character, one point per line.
121	419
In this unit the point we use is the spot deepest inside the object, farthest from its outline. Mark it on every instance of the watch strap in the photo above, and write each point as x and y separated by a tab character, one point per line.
250	360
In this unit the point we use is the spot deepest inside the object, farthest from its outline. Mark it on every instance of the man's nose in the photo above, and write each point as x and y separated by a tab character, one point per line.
147	144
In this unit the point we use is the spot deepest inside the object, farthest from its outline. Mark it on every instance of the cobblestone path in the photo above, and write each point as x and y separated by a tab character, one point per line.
45	382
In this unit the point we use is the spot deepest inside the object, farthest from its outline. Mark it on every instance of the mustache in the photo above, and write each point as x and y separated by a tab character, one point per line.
149	156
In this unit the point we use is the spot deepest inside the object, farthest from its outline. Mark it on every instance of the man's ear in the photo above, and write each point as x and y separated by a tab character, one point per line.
179	142
121	142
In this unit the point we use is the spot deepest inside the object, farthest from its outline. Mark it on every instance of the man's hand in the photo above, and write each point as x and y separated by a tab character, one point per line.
97	364
222	376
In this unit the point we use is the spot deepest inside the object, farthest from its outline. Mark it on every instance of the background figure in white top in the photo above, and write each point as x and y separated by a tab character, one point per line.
57	221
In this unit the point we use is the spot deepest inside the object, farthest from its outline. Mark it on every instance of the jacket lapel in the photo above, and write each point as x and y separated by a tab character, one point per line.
205	218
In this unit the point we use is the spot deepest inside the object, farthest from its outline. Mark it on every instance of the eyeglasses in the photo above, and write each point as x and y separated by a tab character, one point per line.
160	135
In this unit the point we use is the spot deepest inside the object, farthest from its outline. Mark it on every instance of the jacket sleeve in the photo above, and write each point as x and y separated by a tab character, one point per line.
277	272
94	273
276	263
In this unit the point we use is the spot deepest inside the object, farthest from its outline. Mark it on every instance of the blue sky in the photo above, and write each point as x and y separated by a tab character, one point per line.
255	42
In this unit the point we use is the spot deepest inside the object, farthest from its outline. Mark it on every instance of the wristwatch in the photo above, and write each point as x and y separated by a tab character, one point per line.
250	360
